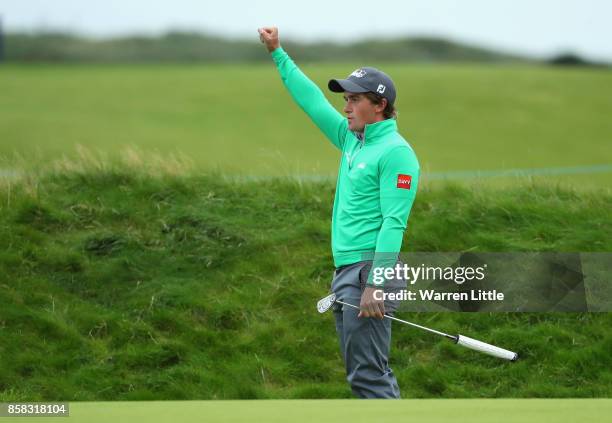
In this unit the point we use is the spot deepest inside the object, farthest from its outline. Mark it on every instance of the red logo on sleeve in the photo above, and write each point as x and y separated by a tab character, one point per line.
404	181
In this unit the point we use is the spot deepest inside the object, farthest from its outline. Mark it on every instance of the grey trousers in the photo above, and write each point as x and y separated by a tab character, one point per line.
364	342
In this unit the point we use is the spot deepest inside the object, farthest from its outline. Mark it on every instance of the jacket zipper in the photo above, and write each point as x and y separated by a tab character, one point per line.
361	144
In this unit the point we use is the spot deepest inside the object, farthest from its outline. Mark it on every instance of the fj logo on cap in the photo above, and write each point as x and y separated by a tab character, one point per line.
404	181
359	73
381	88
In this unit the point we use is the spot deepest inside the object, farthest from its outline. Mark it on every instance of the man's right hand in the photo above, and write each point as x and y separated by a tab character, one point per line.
269	36
370	306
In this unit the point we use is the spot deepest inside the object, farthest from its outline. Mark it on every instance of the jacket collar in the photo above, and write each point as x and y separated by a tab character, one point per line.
375	131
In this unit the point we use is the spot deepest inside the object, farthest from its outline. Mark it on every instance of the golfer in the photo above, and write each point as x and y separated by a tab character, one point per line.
375	190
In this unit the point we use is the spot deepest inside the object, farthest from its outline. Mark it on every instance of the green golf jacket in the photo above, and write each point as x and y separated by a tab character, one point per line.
377	179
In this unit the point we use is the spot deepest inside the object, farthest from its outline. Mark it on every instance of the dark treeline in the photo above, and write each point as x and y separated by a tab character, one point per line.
195	47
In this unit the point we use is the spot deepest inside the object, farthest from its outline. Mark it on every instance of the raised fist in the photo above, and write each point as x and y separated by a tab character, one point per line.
269	36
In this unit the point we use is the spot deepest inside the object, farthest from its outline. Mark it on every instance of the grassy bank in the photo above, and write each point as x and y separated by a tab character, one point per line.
116	283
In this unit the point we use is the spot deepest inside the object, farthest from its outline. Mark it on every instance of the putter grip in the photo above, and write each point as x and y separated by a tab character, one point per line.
486	348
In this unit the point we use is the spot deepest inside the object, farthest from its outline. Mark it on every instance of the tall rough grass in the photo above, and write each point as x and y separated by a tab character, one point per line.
135	280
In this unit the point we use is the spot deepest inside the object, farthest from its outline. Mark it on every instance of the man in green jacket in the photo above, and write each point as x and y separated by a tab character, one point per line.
377	183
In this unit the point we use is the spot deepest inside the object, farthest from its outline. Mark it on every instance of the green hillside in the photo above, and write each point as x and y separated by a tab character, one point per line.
240	119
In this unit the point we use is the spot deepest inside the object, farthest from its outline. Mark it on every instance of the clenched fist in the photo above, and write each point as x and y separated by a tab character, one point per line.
269	36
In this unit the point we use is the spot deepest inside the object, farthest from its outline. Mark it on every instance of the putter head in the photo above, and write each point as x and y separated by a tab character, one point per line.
325	304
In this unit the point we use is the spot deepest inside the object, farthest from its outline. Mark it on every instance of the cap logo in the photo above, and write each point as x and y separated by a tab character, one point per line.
359	73
381	88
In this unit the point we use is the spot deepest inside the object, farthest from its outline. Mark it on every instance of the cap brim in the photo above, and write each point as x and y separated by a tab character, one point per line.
342	85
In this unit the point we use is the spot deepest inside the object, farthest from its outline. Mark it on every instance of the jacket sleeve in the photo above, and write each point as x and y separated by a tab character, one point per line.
311	99
399	178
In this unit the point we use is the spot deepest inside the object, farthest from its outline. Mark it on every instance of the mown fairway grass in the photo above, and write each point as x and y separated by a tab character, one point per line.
125	284
429	411
239	119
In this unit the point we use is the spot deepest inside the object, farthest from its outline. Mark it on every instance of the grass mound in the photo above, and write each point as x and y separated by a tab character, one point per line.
117	284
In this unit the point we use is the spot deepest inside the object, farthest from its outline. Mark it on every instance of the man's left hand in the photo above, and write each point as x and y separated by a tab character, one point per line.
370	306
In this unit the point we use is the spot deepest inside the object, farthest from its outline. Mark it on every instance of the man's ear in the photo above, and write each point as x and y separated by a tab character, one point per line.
381	107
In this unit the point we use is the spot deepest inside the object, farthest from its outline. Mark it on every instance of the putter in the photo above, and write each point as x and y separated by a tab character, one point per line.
326	303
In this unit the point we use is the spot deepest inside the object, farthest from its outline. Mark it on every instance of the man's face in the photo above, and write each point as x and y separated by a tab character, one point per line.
360	111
